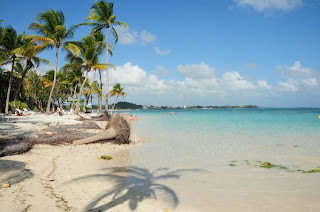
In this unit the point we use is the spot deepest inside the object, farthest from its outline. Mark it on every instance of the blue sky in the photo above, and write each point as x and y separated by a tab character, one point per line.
204	52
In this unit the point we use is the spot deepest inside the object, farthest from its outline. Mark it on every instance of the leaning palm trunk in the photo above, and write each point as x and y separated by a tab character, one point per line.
114	105
118	129
53	84
80	92
9	87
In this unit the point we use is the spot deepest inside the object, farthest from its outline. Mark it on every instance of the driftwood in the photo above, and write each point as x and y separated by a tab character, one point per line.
117	129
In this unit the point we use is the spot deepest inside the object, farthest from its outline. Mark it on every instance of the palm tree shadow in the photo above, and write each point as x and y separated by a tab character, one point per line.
14	172
133	185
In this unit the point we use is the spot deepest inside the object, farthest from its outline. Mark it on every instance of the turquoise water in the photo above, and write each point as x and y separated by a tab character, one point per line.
211	138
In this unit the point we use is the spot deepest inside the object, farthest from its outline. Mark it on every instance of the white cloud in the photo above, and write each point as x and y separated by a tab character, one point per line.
161	52
196	71
263	84
200	81
296	70
128	36
289	85
147	37
44	69
309	82
204	82
235	82
267	5
160	71
128	74
297	78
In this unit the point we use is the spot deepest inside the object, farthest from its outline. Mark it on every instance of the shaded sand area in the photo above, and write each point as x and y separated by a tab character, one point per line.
75	178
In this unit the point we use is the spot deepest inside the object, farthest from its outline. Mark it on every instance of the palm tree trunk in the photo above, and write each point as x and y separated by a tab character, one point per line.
52	106
19	87
107	71
74	96
107	134
80	92
100	94
53	84
10	84
114	105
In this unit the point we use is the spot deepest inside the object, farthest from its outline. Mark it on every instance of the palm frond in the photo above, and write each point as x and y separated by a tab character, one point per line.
120	23
115	34
109	65
73	48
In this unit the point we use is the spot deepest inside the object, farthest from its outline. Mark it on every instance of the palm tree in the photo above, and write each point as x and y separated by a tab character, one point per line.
117	91
34	90
92	88
86	54
101	15
28	52
74	76
99	37
53	34
10	42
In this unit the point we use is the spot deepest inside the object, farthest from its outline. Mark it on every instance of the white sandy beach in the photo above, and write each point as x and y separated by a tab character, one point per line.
45	178
74	178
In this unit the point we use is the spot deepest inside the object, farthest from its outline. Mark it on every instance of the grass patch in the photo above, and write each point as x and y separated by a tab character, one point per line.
106	157
308	171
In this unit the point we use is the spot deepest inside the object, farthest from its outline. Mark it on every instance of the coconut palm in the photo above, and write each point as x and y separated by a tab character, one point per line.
28	52
99	37
34	90
74	76
53	34
92	88
86	54
10	42
101	15
117	91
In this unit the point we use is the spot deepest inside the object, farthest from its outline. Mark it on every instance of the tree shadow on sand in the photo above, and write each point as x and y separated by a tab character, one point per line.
13	172
134	184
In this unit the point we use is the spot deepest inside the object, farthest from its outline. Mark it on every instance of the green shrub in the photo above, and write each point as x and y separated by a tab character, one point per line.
19	105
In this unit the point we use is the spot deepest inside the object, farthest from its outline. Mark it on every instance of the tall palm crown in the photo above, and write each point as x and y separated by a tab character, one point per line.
85	54
51	28
28	53
101	16
11	41
52	34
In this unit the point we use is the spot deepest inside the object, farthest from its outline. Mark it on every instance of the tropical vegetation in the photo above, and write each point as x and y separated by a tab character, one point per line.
24	85
101	17
117	91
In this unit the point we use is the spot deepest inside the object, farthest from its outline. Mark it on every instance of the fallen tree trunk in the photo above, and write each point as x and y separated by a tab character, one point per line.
118	129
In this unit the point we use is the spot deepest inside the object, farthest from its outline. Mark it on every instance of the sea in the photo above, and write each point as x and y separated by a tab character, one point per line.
212	138
262	159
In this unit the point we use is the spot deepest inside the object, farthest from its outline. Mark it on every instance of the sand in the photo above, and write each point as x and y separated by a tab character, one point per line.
64	177
75	178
